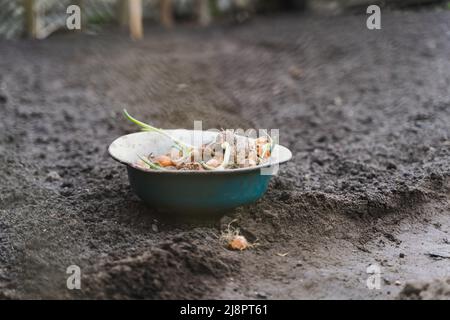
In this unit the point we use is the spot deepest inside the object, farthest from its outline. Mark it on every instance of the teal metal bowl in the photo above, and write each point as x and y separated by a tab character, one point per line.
191	191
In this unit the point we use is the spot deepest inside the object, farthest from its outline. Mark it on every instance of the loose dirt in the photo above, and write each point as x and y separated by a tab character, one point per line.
366	114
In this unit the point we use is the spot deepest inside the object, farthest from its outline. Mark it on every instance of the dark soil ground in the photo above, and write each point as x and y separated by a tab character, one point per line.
366	114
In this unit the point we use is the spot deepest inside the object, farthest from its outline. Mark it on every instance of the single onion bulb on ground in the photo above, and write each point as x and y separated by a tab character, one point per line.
238	243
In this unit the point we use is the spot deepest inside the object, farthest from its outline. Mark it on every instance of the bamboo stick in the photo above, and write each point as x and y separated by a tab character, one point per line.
166	14
80	3
135	17
122	13
31	18
203	12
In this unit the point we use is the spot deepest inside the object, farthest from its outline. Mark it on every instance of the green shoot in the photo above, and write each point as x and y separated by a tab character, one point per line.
150	164
271	142
185	148
266	147
226	156
204	165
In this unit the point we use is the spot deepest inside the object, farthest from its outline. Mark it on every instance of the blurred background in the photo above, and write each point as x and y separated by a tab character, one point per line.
96	13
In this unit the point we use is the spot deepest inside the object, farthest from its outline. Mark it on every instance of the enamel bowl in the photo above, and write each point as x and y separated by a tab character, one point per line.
191	191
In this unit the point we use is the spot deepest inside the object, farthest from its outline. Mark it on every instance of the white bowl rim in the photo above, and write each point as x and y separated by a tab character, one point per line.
286	155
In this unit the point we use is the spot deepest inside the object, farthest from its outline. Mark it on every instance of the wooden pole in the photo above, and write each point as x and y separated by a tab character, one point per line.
135	17
203	12
31	19
166	14
122	13
80	3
